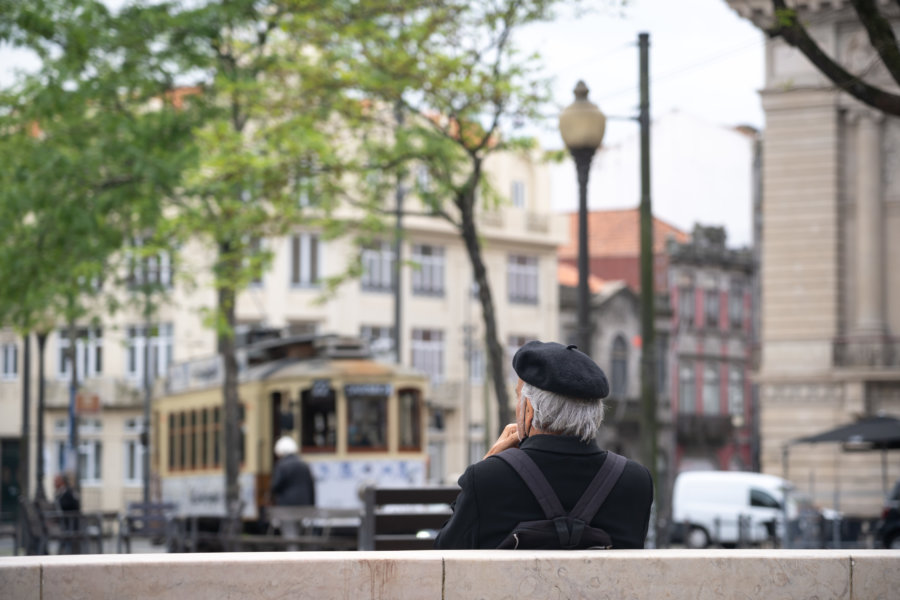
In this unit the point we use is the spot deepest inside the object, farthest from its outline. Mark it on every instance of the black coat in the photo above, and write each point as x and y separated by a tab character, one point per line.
292	483
494	499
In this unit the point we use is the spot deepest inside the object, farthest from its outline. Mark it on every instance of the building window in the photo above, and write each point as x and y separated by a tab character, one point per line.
423	180
90	461
306	260
10	362
428	278
253	259
686	393
152	270
428	352
736	390
686	306
410	420
379	337
619	372
513	343
88	352
318	423
134	462
378	267
736	306
522	279
711	388
476	365
161	351
662	364
711	303
517	193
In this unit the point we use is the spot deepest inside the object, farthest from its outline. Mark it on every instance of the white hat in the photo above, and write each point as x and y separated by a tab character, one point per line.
284	446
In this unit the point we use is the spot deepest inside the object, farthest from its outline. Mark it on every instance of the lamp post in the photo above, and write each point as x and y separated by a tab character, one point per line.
582	126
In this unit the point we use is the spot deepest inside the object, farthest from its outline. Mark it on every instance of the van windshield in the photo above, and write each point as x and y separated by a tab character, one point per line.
764	499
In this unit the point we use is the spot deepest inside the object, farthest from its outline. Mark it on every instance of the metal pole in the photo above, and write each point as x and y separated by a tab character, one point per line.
648	337
148	397
73	412
583	158
24	463
398	252
39	492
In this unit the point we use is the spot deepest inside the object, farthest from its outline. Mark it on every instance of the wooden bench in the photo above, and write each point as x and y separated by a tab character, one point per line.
404	518
74	531
151	520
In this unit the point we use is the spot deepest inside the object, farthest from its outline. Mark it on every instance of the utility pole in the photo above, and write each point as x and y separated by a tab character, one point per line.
39	493
24	463
648	301
148	397
398	250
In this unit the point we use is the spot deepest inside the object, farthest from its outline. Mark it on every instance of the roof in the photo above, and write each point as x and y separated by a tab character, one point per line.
618	233
567	275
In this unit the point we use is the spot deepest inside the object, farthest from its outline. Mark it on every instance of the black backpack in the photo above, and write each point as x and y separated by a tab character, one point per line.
559	530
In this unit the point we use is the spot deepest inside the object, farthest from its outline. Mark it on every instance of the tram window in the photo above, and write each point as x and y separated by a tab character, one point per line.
318	420
204	438
410	420
194	439
172	438
182	449
367	422
217	436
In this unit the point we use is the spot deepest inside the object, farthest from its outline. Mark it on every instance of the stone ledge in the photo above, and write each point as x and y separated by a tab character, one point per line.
672	574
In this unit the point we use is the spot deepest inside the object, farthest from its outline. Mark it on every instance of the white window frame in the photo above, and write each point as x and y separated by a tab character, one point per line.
155	269
10	362
378	267
711	388
133	462
477	365
88	352
687	389
304	271
736	390
379	337
428	279
736	306
90	457
161	351
517	193
522	279
427	350
513	343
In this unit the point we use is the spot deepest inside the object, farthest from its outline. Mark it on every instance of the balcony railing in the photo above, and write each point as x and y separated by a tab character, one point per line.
874	353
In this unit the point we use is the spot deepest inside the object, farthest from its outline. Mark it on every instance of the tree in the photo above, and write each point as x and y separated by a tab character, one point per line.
788	26
82	164
456	73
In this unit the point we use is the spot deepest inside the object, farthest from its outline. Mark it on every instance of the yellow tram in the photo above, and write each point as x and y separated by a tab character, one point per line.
356	421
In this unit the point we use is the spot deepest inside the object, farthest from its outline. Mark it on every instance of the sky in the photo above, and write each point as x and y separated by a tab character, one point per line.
704	60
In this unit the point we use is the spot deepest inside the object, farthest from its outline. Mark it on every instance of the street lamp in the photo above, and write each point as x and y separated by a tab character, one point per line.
582	125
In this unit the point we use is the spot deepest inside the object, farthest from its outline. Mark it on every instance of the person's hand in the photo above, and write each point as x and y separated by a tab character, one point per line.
509	438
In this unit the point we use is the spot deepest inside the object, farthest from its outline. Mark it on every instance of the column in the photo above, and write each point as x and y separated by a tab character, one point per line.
869	244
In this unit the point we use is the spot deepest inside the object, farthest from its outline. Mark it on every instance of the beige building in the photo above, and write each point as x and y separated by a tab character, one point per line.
830	259
442	331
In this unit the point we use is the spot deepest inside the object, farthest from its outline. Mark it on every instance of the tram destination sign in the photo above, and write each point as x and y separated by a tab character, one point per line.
367	389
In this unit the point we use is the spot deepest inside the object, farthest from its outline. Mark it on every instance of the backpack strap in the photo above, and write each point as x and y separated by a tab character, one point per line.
597	491
535	480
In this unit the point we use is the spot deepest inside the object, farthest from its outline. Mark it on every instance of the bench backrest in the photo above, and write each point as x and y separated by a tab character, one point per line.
149	518
404	518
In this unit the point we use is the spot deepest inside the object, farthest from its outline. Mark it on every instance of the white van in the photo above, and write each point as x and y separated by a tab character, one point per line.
707	507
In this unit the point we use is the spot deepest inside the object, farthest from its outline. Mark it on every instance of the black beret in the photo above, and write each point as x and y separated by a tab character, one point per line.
563	370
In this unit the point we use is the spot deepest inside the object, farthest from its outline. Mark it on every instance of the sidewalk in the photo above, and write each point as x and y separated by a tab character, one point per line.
138	546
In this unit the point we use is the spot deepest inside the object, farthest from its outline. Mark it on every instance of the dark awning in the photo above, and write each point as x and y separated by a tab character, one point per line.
880	433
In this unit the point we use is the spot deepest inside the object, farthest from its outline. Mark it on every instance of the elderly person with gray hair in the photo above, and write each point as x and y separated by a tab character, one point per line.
558	411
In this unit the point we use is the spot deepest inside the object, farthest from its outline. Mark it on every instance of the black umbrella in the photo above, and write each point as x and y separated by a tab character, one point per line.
869	433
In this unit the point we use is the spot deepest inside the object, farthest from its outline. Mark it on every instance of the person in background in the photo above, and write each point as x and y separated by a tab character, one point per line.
292	482
558	411
66	500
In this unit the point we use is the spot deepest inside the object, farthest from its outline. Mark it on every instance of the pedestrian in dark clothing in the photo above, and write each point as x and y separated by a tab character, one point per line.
66	500
558	412
292	481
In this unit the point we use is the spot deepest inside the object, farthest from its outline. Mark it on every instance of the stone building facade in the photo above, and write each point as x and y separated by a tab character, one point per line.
830	346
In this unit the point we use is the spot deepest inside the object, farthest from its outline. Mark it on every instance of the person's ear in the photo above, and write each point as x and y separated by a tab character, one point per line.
529	415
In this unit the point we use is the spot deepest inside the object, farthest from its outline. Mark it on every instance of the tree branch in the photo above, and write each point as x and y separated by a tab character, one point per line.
788	27
881	35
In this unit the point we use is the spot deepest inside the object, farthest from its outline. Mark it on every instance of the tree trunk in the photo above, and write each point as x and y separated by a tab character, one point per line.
24	441
469	234
227	349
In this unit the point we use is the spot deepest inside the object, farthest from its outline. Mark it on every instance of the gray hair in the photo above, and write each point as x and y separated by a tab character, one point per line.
563	415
